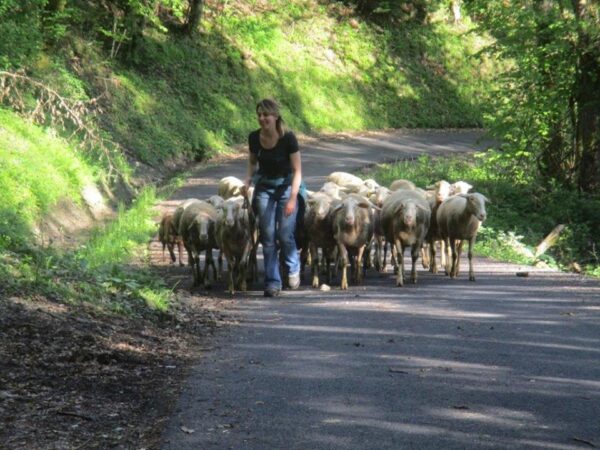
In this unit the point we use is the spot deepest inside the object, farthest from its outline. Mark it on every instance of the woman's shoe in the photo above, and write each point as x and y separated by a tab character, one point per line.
271	292
294	281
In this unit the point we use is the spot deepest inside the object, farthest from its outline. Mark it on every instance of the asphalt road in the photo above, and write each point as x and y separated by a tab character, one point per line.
503	362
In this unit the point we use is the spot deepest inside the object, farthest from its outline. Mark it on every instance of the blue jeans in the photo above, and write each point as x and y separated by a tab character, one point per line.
276	233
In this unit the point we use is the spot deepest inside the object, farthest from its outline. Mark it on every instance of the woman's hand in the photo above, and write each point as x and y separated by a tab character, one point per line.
246	188
290	206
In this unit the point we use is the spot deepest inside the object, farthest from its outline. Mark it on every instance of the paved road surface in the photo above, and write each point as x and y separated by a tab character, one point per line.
505	362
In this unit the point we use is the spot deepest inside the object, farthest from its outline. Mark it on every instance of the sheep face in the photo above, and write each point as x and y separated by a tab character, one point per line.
476	206
320	206
380	194
231	209
460	187
349	207
442	191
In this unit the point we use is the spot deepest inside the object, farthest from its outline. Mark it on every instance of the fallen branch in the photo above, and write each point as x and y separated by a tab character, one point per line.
548	241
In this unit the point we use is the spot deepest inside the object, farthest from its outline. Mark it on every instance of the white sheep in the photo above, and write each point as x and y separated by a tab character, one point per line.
169	237
230	187
347	181
236	238
216	201
352	229
319	232
177	217
377	198
459	218
405	218
197	229
436	194
332	189
460	187
402	184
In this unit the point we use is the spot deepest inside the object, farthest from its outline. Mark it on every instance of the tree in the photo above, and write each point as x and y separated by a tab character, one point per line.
548	108
193	17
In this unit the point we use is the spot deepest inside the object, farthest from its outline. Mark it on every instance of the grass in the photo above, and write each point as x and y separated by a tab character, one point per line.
521	212
109	272
38	169
196	97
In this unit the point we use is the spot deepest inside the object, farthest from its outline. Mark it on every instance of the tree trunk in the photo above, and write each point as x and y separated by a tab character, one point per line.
56	6
588	122
194	16
588	99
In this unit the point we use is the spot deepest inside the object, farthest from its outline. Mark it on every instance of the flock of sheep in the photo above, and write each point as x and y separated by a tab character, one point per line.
349	220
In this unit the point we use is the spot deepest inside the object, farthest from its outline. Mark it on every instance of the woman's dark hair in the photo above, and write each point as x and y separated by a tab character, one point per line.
270	106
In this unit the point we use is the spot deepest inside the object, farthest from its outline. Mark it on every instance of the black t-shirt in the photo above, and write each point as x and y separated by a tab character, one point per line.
274	162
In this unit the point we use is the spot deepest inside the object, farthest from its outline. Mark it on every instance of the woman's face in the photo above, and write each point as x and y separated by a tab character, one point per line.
266	120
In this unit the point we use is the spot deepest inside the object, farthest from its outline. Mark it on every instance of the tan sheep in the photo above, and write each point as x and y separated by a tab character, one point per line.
459	218
169	237
352	229
230	187
402	184
319	231
197	228
236	238
405	219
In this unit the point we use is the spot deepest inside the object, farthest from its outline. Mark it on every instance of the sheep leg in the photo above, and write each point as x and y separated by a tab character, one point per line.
442	253
459	246
180	251
230	268
393	258
448	266
433	268
470	254
343	262
207	262
368	263
425	256
244	265
400	267
214	267
314	266
196	269
359	266
378	251
220	262
454	253
171	252
383	264
416	249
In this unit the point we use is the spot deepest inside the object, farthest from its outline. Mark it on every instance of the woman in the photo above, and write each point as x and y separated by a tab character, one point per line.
276	195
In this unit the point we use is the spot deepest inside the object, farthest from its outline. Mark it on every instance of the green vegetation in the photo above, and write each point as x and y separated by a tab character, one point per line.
38	169
98	273
521	212
193	97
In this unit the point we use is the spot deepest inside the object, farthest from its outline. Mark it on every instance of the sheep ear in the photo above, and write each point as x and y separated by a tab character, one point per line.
337	207
423	208
485	199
